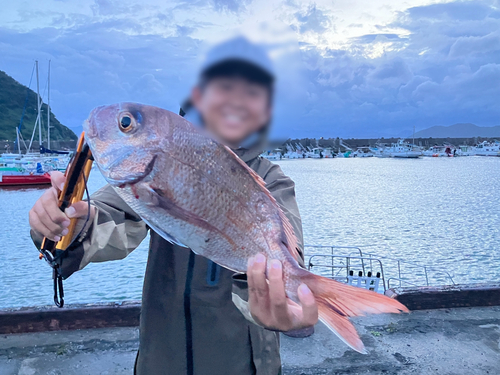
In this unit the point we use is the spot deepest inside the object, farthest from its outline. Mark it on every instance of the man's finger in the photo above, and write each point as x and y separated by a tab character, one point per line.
41	228
277	294
52	211
309	306
252	295
260	287
78	209
57	179
48	222
249	271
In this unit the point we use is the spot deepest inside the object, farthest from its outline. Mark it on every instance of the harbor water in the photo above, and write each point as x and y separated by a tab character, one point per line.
442	212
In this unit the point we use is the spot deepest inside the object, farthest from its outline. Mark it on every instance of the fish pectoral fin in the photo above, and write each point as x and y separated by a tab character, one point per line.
160	200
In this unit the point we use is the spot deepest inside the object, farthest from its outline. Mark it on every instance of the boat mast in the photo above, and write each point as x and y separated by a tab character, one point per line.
38	108
48	110
37	122
18	143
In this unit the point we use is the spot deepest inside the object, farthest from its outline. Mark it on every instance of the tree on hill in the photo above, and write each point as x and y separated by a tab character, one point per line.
12	100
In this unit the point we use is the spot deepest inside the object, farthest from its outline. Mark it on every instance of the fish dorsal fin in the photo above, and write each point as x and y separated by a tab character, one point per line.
254	174
290	239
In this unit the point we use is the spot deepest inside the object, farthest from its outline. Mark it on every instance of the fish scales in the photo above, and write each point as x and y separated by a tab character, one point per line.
207	178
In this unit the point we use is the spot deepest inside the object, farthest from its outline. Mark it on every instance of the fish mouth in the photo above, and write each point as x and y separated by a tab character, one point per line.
134	179
147	172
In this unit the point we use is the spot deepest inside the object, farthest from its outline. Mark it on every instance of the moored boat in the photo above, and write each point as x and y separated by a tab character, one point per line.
363	152
465	150
272	155
22	170
24	179
315	153
403	150
487	149
440	151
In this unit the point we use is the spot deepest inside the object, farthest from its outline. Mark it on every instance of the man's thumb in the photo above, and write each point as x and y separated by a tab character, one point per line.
78	209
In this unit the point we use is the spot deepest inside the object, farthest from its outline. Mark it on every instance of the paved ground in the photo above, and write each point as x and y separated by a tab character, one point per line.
444	342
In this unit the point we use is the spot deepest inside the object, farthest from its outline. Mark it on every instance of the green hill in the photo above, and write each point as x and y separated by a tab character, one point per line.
12	99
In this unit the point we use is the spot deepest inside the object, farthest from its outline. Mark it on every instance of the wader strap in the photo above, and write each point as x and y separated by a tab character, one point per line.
58	287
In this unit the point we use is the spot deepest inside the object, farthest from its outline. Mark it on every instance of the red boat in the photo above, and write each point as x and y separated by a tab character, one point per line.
24	179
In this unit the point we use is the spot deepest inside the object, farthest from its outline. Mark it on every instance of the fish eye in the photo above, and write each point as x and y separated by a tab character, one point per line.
126	123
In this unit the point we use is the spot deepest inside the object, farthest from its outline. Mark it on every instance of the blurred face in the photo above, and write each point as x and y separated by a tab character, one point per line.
232	108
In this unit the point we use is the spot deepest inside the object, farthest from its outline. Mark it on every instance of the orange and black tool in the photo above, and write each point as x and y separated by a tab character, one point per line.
77	174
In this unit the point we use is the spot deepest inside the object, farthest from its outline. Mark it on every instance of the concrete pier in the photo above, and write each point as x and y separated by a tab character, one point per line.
446	341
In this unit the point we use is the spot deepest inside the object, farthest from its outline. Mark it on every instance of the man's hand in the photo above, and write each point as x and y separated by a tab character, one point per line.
269	305
47	219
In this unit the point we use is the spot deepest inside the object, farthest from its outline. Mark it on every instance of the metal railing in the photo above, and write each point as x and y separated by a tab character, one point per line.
398	272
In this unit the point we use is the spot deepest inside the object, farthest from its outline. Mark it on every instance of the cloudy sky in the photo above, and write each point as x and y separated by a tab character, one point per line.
348	68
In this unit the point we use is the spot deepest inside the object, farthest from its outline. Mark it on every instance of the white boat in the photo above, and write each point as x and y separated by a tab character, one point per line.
434	151
362	152
346	154
440	151
328	153
315	153
292	155
348	150
292	152
465	150
403	150
272	155
487	149
20	163
378	151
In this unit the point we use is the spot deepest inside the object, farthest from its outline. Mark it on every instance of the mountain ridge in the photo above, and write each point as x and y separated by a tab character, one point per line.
459	130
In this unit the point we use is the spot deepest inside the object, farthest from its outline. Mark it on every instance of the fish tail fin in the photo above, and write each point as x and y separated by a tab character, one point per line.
337	301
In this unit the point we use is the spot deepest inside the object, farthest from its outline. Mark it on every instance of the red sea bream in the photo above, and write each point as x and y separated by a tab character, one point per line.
195	191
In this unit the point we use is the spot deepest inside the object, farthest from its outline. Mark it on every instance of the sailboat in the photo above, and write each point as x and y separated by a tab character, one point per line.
26	169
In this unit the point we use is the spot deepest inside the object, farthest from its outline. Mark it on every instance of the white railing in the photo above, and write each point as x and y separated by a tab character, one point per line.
369	270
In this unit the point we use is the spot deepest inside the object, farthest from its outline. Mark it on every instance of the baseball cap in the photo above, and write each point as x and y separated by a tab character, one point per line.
236	56
236	51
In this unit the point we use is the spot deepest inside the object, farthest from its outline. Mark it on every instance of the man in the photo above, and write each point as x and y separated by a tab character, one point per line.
197	317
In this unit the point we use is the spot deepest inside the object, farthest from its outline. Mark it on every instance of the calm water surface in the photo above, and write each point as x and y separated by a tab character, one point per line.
437	211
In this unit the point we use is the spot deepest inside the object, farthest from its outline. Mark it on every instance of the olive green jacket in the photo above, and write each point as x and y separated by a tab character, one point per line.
194	317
